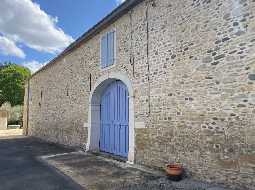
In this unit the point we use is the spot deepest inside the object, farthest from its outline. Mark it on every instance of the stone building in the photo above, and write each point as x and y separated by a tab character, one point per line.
157	82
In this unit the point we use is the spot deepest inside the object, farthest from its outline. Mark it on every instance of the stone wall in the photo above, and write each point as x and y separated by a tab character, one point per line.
192	66
25	116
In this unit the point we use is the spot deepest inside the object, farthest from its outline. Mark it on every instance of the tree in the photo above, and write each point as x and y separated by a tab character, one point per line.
12	83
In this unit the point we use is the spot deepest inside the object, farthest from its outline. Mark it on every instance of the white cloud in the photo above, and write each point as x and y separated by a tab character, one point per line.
23	21
8	47
120	1
34	65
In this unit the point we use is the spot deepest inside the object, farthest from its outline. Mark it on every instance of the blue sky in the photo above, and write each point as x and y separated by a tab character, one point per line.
34	32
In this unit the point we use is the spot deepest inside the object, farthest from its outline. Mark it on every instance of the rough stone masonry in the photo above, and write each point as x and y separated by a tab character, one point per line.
192	68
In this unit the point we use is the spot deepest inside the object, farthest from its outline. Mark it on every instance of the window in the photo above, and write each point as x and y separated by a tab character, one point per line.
108	49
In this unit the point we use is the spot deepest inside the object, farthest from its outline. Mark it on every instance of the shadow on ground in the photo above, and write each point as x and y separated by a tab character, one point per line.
21	170
100	173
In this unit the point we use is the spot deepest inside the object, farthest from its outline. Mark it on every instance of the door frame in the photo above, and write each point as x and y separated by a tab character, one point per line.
94	112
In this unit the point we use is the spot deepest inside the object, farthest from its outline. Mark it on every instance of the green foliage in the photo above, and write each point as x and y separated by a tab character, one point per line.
12	81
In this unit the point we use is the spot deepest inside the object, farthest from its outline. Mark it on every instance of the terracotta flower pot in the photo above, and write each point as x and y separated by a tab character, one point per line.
174	169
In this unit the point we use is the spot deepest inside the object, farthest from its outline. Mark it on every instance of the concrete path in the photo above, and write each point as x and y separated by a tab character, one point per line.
20	169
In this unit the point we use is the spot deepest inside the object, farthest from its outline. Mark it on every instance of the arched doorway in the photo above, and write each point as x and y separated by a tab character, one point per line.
114	120
101	137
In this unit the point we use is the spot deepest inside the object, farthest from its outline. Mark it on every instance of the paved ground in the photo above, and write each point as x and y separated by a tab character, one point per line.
29	164
11	132
20	169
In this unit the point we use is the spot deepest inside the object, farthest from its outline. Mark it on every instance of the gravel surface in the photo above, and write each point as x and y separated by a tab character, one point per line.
165	184
100	173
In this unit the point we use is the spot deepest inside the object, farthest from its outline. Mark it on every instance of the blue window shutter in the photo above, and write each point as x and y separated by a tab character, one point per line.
111	48
104	51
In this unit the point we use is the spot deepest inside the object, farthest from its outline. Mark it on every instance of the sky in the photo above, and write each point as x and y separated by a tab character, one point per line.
33	32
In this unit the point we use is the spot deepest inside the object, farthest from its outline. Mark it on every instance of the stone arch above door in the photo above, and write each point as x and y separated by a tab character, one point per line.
94	111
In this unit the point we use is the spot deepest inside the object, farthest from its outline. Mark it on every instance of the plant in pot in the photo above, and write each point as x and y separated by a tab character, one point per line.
174	171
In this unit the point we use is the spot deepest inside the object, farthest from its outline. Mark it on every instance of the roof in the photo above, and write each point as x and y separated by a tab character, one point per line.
106	21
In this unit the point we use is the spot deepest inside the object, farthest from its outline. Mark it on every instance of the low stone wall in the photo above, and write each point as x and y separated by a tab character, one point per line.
3	120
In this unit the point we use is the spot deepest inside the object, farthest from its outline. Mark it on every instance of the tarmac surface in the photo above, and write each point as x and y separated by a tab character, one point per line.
20	168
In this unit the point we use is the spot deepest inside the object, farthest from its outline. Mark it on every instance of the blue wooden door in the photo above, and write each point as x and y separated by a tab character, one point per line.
114	120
